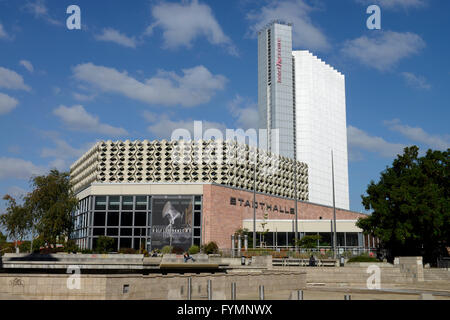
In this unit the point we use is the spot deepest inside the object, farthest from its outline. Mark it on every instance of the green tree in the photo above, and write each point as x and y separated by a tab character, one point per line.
308	242
211	248
2	238
410	205
16	219
263	227
51	203
105	244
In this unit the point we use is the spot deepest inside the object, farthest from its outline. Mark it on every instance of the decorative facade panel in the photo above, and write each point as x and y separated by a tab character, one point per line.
223	162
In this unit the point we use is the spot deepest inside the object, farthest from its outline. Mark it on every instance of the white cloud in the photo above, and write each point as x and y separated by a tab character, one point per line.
183	22
83	97
162	126
76	118
3	33
17	192
39	9
14	149
440	142
394	4
63	153
56	90
415	81
361	140
305	34
7	103
196	86
12	80
384	49
18	168
27	65
112	35
245	112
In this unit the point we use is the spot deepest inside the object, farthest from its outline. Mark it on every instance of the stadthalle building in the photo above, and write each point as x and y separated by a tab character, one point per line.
180	193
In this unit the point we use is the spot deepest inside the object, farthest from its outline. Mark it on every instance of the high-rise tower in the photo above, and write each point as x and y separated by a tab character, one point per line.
275	89
321	127
304	99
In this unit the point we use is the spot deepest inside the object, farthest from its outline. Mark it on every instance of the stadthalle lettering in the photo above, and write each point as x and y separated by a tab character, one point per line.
268	207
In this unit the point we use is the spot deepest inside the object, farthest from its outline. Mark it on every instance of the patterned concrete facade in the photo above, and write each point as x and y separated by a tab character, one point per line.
223	162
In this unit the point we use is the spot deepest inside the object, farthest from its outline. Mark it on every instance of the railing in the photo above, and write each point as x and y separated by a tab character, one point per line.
290	262
320	252
443	263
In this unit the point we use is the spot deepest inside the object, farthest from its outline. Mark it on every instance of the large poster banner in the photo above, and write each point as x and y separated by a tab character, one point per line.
172	222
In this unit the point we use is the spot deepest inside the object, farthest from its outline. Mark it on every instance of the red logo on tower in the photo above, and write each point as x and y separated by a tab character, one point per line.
279	61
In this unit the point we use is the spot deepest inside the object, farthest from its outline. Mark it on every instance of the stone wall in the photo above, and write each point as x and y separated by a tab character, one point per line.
153	286
411	267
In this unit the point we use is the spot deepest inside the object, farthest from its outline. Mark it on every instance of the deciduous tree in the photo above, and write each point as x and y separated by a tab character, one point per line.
410	205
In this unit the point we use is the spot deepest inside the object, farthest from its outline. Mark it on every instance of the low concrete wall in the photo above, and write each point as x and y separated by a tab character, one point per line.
55	286
412	267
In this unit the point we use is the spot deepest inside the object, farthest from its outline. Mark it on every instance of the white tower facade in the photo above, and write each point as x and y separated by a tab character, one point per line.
321	126
275	88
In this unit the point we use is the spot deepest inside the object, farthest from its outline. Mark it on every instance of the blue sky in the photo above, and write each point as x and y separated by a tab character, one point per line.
139	71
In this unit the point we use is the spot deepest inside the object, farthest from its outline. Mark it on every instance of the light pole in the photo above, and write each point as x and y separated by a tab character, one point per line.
254	202
334	206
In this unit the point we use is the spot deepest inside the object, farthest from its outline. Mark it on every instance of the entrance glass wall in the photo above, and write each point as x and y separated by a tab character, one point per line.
138	221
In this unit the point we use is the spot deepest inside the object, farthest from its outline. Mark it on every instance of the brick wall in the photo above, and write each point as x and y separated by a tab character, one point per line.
221	219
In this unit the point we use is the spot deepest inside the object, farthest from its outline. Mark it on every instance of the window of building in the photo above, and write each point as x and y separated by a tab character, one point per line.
114	203
125	242
127	203
140	219
141	202
99	232
113	219
352	239
100	203
126	219
112	231
126	231
99	219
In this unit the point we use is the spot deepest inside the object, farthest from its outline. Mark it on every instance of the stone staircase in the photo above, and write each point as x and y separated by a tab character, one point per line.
436	274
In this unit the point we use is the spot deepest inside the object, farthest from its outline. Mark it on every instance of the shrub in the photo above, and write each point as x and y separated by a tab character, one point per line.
37	244
166	250
86	251
363	258
194	249
308	242
211	248
25	246
127	251
70	246
105	244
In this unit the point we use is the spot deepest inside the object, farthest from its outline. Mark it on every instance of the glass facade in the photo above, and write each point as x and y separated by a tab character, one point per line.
138	221
287	239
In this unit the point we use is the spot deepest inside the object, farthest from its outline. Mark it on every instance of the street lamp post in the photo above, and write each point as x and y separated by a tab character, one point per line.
254	202
334	206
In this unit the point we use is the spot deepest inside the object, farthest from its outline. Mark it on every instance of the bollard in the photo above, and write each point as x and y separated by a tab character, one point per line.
261	292
300	295
347	297
209	289
233	291
189	289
